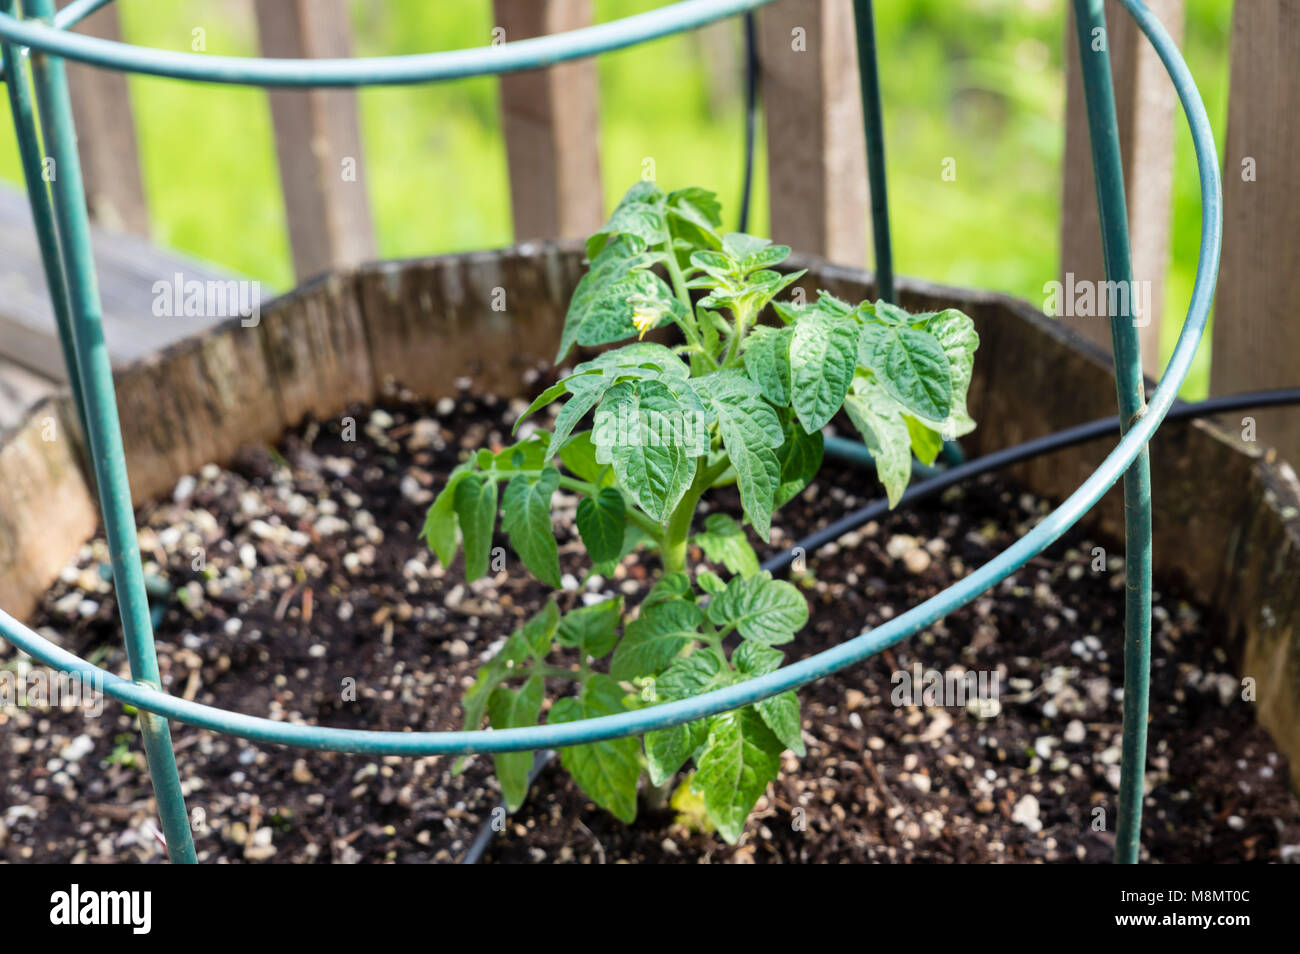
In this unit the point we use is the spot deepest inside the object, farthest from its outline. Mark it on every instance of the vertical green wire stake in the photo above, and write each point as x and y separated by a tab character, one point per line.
29	150
873	121
1094	58
104	429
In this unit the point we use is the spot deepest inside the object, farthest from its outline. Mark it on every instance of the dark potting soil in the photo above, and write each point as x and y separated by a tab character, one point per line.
300	592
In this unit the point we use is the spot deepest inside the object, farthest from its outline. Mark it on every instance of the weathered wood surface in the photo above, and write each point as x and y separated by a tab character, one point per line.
551	123
127	265
47	508
106	137
1256	335
318	140
1226	514
1145	107
817	167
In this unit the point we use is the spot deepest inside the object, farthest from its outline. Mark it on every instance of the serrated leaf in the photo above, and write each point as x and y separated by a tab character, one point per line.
741	246
553	393
756	659
489	675
956	334
710	582
823	358
440	521
878	417
528	454
540	629
767	362
654	639
476	507
668	749
508	709
527	521
616	285
653	439
911	366
670	586
800	458
723	541
750	433
781	714
579	456
606	771
760	608
639	213
926	441
741	757
593	629
601	520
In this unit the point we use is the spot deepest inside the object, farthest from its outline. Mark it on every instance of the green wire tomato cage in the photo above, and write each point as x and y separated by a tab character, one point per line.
40	36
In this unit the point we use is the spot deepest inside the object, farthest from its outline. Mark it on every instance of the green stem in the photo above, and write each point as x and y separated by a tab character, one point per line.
678	530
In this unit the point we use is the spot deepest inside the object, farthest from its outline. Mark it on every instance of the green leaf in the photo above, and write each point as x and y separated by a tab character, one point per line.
755	659
670	586
440	522
723	541
528	454
668	749
879	419
767	362
740	759
800	458
760	608
579	456
781	714
618	282
508	709
926	441
823	358
553	393
593	629
911	366
653	439
750	433
499	668
639	213
741	246
955	333
586	391
527	520
606	771
654	639
540	629
710	582
476	507
601	522
689	676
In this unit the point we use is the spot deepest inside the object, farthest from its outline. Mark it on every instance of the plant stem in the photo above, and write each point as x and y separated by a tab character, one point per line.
678	530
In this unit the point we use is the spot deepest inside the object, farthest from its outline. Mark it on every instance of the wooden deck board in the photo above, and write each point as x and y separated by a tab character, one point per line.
31	361
128	267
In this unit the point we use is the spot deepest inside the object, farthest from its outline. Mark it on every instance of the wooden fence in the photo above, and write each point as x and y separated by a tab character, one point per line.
818	196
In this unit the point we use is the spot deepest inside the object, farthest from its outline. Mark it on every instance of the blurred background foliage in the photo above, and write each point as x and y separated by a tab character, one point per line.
980	81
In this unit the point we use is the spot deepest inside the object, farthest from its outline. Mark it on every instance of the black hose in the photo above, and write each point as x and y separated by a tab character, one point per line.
1069	437
484	836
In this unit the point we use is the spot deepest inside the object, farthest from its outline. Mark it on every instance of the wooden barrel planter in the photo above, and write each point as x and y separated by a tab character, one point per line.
1227	511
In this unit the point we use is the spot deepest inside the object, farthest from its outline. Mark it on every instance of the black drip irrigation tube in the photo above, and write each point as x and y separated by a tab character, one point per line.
989	463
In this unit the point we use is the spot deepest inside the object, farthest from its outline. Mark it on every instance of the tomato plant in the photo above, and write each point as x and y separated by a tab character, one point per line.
735	402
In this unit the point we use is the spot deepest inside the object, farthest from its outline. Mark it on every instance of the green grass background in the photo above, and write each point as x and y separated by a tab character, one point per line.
980	81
